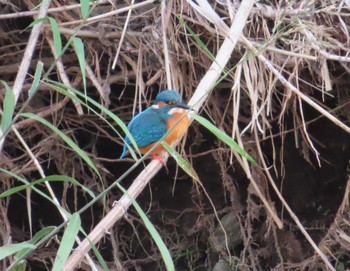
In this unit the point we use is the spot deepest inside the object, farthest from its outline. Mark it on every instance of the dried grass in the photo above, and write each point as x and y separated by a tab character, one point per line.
292	56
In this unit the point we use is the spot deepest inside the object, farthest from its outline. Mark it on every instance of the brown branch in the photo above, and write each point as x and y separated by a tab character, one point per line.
47	61
50	10
63	75
45	112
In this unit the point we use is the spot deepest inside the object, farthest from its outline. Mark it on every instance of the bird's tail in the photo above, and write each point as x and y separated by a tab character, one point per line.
125	152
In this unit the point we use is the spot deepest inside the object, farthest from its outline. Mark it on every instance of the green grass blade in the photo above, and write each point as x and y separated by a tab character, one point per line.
197	39
39	5
65	138
223	137
37	237
62	89
14	190
36	21
56	36
99	257
57	178
8	250
20	266
182	162
67	242
79	49
8	109
84	8
152	230
36	82
20	179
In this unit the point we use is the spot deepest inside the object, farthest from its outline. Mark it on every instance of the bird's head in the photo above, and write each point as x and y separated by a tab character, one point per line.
171	99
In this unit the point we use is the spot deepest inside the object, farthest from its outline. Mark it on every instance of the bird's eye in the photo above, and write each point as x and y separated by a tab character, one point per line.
170	102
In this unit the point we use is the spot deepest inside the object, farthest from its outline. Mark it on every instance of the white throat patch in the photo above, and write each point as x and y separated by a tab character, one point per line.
176	110
171	111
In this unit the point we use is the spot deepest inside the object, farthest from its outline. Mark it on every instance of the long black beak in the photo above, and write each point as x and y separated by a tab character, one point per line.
182	105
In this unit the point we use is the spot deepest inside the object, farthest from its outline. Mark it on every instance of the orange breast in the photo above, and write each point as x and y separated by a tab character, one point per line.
180	128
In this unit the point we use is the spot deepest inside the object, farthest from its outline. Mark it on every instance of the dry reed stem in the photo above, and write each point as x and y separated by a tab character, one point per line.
26	59
111	13
306	99
122	36
47	61
48	111
167	58
225	32
296	91
197	100
63	75
326	114
104	94
216	69
49	11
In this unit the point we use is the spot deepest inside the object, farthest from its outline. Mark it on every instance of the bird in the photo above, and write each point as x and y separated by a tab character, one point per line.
168	113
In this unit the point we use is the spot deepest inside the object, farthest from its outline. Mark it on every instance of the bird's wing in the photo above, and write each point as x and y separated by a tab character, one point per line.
147	127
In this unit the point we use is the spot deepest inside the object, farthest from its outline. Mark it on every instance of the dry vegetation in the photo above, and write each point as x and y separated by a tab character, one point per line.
286	101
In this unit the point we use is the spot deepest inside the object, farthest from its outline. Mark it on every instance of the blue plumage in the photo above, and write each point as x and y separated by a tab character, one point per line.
167	96
150	125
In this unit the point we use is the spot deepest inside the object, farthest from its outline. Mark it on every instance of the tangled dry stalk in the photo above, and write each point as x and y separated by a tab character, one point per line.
288	74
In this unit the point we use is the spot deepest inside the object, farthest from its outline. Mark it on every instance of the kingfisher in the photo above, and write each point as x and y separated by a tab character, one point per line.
167	116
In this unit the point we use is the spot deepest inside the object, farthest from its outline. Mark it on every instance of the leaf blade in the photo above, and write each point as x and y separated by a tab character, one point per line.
8	250
57	41
36	82
9	108
56	178
67	242
84	8
62	89
79	50
152	230
182	162
223	137
37	237
65	138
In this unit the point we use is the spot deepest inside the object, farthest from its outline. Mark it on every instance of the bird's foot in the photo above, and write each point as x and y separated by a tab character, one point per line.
159	158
